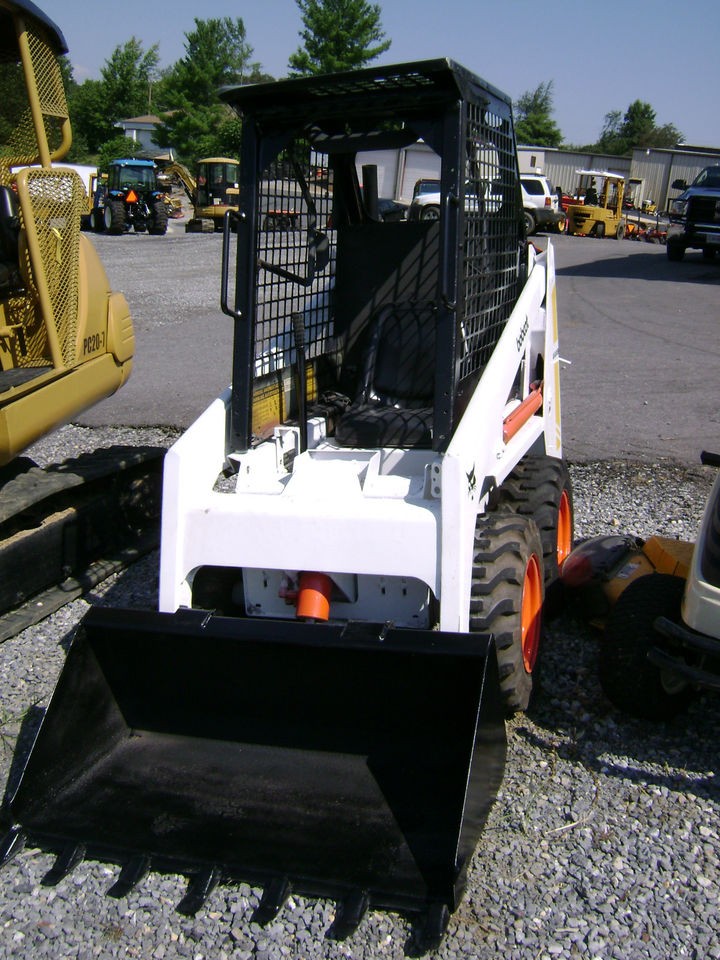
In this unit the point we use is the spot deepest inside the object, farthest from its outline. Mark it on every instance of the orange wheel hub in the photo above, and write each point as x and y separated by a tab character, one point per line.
531	622
564	529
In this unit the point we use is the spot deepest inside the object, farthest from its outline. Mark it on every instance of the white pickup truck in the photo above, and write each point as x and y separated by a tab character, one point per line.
540	203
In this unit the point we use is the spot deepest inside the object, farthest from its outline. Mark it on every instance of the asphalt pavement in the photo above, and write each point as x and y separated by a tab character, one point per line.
641	337
638	337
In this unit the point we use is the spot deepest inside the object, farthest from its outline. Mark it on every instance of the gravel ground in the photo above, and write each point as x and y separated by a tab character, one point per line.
603	842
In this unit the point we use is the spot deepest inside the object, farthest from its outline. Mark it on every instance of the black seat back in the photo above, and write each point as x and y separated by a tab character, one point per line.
394	407
10	279
399	365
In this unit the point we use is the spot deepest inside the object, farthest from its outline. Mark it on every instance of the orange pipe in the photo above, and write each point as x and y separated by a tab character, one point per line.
521	414
313	600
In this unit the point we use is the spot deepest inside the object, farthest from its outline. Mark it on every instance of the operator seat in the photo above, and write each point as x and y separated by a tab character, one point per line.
10	278
394	406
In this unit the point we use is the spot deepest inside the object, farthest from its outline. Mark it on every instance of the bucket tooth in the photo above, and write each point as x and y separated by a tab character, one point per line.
132	873
432	926
12	844
200	887
349	914
65	863
273	899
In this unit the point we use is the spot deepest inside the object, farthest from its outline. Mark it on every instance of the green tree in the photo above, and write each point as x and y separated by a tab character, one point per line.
128	76
533	118
89	113
217	54
66	72
610	135
636	128
14	104
117	148
338	35
124	90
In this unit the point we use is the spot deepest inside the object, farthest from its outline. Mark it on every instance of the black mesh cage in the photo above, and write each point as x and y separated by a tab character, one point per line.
325	273
293	230
492	236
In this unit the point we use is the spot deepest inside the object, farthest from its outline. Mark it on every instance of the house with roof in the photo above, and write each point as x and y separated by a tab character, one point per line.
141	130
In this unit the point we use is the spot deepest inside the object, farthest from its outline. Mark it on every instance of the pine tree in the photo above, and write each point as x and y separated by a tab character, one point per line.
217	54
339	35
533	121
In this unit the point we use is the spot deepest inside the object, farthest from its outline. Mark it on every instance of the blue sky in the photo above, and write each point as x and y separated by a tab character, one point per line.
600	56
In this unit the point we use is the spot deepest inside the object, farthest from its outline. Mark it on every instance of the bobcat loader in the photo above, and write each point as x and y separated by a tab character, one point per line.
357	535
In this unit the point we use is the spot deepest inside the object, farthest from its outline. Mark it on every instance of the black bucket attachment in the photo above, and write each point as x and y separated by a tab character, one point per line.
356	762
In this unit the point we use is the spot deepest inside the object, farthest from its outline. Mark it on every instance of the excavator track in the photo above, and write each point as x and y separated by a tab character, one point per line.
66	527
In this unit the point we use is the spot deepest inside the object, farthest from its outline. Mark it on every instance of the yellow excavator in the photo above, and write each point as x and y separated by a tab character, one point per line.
66	340
212	191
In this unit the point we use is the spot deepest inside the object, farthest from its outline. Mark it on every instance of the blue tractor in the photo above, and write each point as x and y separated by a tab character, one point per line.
130	198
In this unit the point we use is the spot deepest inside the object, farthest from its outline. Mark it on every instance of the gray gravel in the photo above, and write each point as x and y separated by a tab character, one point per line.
603	842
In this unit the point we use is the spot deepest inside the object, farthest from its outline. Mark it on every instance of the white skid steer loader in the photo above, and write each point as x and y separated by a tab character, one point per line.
357	536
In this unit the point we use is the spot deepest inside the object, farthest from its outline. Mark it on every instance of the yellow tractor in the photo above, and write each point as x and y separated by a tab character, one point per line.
600	215
66	340
212	191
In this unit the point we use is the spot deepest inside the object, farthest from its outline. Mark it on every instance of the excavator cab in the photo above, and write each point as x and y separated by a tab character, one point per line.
215	190
66	341
217	184
212	190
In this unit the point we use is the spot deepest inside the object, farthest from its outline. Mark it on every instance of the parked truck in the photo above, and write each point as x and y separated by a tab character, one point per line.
694	216
357	536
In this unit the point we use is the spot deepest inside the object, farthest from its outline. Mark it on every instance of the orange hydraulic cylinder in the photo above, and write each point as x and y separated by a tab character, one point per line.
313	601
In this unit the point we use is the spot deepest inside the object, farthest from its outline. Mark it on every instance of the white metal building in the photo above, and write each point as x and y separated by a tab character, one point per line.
650	172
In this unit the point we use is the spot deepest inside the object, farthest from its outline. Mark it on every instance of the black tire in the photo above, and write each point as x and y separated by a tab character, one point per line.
627	677
620	232
599	230
675	252
159	222
530	225
430	212
506	600
708	253
115	217
540	487
97	220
